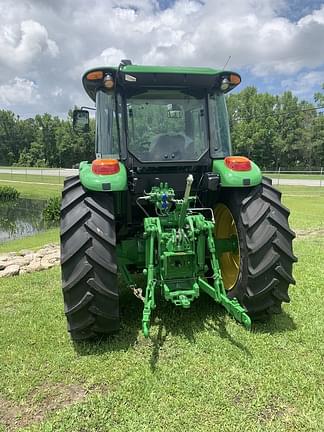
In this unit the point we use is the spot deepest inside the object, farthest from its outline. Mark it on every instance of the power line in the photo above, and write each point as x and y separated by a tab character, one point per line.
277	114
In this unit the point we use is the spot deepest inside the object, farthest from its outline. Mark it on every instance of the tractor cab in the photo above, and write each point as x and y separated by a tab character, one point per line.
149	117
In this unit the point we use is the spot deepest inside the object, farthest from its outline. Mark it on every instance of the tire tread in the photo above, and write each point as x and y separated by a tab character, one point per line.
88	261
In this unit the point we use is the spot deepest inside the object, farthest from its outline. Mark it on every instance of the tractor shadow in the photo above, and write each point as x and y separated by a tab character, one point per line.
169	320
203	314
280	323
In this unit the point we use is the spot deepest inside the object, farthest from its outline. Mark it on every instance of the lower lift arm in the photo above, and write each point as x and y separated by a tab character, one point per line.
149	301
218	292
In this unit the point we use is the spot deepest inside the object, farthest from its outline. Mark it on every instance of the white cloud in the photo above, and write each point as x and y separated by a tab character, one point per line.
57	92
54	46
23	47
305	83
109	56
19	91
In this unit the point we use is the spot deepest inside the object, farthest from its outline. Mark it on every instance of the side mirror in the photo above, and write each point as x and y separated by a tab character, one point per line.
81	121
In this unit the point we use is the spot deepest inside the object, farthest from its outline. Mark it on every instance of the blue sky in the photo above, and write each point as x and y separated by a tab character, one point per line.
296	9
276	45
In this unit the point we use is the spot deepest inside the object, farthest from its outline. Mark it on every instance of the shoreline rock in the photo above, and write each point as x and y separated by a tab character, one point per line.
27	261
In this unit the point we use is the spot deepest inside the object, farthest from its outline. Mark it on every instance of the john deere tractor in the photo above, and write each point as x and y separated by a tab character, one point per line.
164	197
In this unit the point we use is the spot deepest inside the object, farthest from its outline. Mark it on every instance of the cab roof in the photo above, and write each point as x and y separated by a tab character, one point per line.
139	76
169	69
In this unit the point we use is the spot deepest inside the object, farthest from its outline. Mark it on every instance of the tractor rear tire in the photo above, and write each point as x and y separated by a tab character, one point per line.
265	249
88	261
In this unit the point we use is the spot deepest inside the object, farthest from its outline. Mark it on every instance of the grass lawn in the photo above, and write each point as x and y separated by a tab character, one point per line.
296	176
32	178
199	371
32	242
28	168
31	190
306	205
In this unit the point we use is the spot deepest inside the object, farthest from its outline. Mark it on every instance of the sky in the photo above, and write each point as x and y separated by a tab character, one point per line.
46	46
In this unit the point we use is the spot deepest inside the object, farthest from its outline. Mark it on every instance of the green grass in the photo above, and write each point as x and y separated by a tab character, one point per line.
32	178
199	371
28	168
31	190
306	205
32	242
297	176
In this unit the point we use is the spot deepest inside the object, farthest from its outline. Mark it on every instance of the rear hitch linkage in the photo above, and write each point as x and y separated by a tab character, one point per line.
175	256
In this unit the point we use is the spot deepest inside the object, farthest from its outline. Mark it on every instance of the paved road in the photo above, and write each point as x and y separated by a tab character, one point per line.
66	172
298	182
63	172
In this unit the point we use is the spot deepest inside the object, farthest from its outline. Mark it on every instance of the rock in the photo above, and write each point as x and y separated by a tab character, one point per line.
35	265
27	261
19	260
24	252
11	254
52	245
11	270
50	260
44	251
30	256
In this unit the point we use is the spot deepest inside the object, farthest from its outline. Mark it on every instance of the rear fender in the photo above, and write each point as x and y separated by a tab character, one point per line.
103	183
231	178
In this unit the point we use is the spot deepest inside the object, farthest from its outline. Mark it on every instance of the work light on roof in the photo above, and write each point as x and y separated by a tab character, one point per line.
225	84
108	82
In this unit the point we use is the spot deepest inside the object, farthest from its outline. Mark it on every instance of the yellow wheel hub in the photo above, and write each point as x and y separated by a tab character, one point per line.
225	228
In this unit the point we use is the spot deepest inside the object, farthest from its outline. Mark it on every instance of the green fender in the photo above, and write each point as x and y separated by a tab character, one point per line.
98	182
230	178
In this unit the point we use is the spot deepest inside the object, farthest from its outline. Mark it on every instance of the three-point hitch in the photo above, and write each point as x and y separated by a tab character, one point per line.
178	244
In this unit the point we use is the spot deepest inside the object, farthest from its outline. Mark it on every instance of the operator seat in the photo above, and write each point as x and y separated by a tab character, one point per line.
168	147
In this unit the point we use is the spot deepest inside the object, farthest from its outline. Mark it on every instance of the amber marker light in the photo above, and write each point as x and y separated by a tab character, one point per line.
234	79
95	75
238	163
105	166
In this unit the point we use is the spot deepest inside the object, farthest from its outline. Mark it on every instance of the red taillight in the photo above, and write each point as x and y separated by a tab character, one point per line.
105	166
238	163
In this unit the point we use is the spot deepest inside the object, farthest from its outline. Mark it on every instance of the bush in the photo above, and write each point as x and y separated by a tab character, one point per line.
8	193
51	212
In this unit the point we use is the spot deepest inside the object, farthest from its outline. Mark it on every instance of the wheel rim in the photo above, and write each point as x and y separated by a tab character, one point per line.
225	228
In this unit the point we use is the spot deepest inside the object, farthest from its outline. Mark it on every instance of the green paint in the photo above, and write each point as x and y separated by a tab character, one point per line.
131	251
226	245
177	245
230	178
95	182
92	86
170	69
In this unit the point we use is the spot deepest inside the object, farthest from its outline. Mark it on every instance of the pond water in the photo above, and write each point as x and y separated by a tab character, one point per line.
21	218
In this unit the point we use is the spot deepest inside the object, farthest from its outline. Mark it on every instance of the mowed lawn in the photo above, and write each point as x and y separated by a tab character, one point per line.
33	186
199	371
31	178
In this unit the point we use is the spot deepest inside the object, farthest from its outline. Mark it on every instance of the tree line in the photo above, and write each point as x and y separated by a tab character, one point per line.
277	131
43	141
273	130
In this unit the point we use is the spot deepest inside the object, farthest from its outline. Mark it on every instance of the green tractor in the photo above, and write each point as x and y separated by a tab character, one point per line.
164	197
